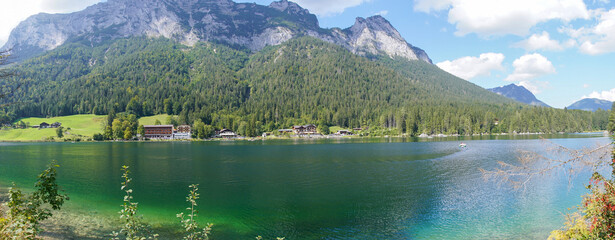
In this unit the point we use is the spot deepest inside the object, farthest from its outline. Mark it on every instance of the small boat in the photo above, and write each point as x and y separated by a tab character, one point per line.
463	145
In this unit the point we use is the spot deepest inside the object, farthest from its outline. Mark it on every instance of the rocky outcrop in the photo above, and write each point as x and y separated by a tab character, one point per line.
189	21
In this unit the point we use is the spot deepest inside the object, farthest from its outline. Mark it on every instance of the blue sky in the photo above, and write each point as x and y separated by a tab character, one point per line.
562	50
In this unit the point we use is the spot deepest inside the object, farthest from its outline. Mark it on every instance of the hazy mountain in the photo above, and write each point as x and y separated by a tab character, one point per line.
591	104
518	93
190	21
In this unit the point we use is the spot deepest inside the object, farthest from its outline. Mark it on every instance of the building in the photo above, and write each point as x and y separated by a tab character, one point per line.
344	132
182	132
56	125
183	129
226	133
305	129
44	125
158	131
282	131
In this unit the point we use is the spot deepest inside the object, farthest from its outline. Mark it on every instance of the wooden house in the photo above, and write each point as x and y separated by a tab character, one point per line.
227	133
304	129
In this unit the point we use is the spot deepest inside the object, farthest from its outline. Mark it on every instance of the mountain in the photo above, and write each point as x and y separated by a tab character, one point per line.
518	93
245	66
591	104
247	25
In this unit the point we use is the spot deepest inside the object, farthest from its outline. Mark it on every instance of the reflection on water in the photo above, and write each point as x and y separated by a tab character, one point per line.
358	189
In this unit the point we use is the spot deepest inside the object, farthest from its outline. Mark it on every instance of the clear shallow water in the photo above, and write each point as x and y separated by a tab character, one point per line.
328	189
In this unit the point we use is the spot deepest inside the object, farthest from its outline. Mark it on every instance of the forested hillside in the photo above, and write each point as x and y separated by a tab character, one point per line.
304	80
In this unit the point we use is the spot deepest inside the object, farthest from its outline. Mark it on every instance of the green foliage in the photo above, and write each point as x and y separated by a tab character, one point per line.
141	131
304	80
132	226
191	226
575	228
171	121
598	208
123	126
98	137
25	212
611	125
60	132
200	130
157	122
323	129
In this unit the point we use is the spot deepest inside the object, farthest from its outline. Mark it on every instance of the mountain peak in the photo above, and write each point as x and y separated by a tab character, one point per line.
189	21
591	104
375	35
289	7
518	93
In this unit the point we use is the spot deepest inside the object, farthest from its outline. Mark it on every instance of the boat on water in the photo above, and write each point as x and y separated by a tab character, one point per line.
463	145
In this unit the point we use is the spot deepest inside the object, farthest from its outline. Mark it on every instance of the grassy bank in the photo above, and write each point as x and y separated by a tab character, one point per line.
81	126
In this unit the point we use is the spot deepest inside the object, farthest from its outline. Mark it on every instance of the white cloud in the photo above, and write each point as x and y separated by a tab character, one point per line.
382	13
329	7
544	42
530	66
600	38
431	5
535	87
604	95
13	12
471	67
517	17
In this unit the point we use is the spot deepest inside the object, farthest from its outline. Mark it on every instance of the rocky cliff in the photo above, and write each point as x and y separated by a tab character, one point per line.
188	21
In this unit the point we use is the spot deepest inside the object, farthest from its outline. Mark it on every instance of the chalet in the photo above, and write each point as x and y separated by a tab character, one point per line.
226	133
183	129
305	129
56	125
282	131
182	132
44	125
344	132
158	131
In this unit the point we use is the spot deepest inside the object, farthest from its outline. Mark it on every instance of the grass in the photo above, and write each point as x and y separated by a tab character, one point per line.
152	119
86	125
334	129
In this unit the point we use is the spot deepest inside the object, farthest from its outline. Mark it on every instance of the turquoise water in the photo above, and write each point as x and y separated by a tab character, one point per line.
327	189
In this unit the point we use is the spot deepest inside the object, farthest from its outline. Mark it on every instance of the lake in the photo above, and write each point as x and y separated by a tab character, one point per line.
323	189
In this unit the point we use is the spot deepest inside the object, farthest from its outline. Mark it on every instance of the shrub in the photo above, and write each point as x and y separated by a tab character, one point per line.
25	212
132	226
191	226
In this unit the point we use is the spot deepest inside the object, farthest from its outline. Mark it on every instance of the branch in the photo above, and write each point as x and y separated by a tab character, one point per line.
532	164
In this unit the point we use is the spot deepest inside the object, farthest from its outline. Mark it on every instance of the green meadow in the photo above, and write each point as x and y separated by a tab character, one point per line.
80	125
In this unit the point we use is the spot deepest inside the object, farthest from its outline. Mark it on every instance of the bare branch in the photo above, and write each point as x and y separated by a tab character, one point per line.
532	164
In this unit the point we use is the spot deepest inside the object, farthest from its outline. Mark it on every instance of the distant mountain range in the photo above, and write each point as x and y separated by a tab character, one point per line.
518	93
591	104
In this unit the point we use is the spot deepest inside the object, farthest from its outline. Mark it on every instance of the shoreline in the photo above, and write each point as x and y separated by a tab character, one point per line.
309	138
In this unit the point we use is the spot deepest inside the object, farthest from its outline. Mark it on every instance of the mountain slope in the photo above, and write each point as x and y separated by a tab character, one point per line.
303	80
518	93
248	25
591	104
